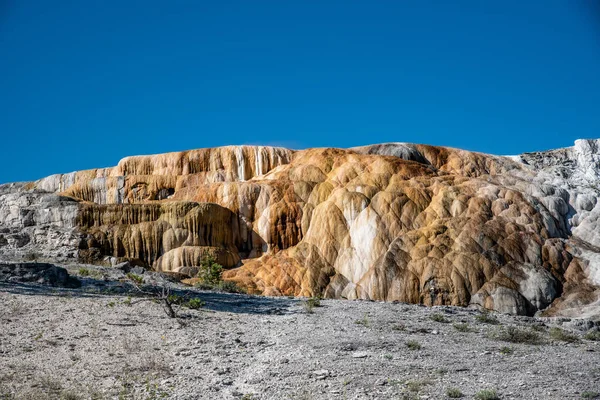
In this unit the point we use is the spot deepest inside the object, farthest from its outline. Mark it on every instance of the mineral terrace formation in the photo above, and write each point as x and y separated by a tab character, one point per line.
406	222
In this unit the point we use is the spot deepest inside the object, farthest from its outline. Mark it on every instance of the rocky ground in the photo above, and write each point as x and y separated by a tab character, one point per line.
100	342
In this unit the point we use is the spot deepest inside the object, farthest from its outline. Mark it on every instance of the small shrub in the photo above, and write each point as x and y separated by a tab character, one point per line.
413	345
487	394
487	318
308	307
84	272
111	304
194	304
590	395
506	350
210	271
513	334
399	327
437	317
135	278
462	327
593	335
315	301
127	301
563	336
454	393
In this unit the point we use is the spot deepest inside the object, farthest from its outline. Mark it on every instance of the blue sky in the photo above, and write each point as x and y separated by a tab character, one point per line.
85	83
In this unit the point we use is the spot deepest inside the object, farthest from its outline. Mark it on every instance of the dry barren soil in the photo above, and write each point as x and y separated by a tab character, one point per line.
99	342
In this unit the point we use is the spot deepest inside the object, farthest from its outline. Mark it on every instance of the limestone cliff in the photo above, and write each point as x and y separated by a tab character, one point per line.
396	221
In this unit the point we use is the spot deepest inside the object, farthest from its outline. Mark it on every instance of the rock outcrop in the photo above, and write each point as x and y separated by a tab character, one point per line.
406	222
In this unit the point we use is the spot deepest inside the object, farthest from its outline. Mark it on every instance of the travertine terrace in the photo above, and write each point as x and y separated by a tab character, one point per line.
406	222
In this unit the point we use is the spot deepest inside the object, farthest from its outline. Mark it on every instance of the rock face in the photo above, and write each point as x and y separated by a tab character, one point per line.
413	223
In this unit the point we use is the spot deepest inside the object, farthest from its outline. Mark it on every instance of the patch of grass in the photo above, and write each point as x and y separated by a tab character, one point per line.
437	317
364	321
487	318
399	327
592	335
462	327
506	350
84	272
454	393
388	356
111	304
563	336
413	345
588	394
513	334
487	394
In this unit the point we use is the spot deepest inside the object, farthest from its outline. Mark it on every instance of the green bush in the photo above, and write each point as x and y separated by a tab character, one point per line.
194	304
84	272
210	271
593	335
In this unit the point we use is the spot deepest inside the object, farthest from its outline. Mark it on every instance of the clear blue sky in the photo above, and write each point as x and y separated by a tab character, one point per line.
85	83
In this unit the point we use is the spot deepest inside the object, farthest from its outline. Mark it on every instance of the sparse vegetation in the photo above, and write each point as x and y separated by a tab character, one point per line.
417	384
437	317
454	393
413	345
464	327
84	272
590	395
505	350
308	307
513	334
592	335
364	321
310	303
487	394
230	287
563	336
137	279
487	318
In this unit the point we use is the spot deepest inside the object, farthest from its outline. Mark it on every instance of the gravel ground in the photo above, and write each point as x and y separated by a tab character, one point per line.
85	344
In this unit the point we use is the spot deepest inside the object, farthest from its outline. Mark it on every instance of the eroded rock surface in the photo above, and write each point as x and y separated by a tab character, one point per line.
407	222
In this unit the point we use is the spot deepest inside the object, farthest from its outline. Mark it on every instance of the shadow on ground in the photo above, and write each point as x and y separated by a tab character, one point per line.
214	301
